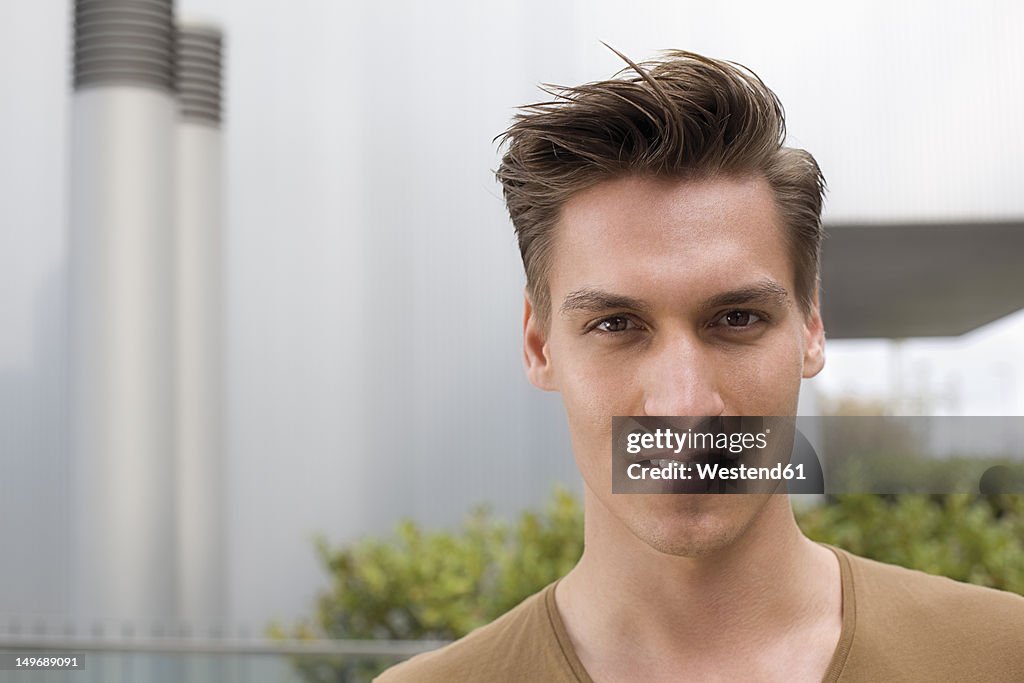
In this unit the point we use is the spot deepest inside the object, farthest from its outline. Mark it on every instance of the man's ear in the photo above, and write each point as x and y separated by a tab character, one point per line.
535	348
814	340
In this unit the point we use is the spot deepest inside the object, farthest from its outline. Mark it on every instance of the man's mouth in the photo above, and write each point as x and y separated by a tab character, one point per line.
686	457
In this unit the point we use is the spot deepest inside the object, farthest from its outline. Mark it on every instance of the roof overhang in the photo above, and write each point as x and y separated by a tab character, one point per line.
920	280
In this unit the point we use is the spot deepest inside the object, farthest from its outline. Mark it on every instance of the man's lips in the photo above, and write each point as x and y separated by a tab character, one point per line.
684	457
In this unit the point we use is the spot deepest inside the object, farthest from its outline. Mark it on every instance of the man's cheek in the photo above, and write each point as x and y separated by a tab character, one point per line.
777	387
597	379
591	402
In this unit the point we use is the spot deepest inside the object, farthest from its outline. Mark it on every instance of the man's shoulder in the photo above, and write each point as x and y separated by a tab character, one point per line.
522	642
916	594
911	621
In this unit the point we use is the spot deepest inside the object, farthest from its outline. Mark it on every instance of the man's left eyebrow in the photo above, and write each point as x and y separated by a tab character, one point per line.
766	292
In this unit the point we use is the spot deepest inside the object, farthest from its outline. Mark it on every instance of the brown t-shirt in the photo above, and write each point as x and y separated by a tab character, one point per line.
898	625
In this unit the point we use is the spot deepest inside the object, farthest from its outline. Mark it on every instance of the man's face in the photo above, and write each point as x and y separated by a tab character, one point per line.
671	298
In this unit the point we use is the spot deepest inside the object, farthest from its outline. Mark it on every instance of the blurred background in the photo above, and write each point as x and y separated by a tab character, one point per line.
353	352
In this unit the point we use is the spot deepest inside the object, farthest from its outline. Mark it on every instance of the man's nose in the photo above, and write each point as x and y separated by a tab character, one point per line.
679	378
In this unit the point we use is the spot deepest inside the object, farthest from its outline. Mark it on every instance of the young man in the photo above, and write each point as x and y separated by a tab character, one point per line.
671	245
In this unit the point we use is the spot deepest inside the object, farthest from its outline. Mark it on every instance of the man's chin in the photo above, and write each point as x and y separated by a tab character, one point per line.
695	526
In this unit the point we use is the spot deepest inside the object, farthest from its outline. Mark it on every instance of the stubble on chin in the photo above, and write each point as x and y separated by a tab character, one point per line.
702	526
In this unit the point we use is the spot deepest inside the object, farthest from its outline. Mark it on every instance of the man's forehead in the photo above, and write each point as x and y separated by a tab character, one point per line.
710	240
655	206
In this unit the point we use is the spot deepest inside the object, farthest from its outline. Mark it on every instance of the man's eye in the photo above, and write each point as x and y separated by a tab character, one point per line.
739	319
616	323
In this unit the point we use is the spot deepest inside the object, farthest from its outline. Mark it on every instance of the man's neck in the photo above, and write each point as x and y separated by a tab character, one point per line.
627	603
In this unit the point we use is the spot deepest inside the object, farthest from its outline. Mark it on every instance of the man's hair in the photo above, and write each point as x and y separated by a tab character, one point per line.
681	116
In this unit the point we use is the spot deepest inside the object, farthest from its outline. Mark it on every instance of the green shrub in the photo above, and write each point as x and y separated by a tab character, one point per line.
969	538
436	585
440	585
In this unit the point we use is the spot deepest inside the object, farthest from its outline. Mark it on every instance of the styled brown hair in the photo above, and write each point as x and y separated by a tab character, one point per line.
680	116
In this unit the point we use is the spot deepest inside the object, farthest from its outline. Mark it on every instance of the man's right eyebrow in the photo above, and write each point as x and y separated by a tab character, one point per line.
596	300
